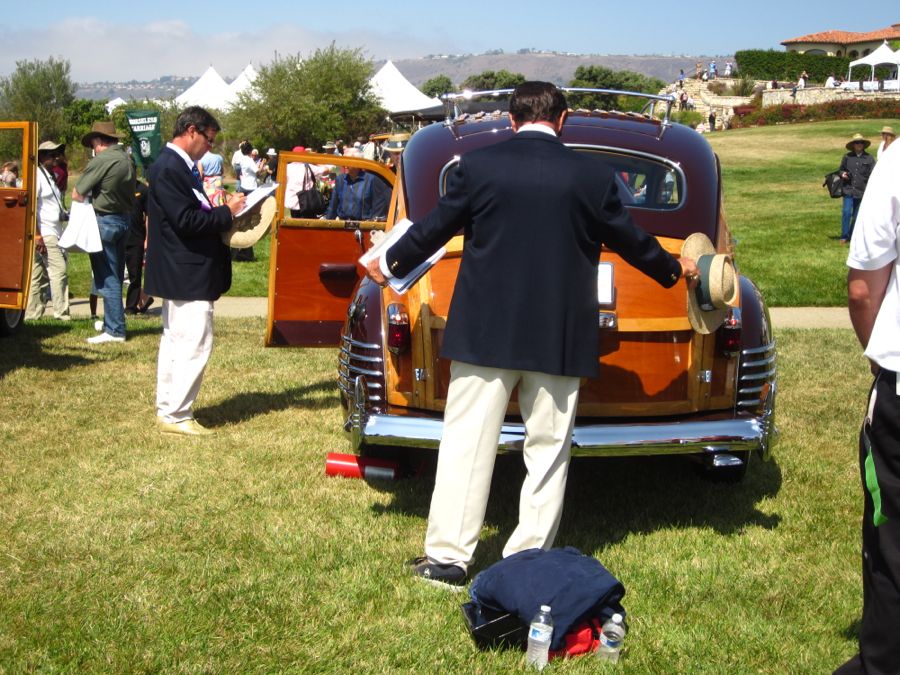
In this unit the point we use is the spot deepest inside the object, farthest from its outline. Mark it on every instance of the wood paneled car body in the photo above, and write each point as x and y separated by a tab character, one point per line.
663	388
18	145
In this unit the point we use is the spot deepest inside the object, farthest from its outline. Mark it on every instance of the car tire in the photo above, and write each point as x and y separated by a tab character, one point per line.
10	321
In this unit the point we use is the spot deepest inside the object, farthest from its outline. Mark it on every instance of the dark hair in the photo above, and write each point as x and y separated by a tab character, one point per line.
537	102
246	147
196	117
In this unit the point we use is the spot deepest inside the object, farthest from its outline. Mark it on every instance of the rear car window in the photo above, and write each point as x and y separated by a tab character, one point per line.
643	182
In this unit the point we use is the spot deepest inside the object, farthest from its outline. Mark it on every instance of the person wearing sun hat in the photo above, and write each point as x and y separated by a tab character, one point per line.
887	137
109	181
856	167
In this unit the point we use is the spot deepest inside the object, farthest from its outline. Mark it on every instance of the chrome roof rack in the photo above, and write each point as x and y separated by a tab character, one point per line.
452	109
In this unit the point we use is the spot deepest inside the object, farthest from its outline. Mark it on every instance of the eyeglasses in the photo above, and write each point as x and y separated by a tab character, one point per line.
208	139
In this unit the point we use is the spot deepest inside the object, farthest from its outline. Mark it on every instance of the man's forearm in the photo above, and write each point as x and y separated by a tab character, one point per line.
865	293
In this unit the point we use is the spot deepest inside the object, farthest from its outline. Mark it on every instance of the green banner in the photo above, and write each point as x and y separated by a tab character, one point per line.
146	141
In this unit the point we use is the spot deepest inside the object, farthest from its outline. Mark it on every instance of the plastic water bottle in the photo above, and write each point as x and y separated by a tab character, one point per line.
540	632
611	637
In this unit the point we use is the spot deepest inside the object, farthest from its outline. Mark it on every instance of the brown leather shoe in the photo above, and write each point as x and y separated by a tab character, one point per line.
189	427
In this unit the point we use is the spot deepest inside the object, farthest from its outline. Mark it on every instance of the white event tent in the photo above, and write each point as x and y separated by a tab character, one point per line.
210	91
397	94
884	55
241	83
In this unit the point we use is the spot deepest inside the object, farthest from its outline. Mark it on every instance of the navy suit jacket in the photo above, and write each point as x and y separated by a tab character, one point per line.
534	214
186	259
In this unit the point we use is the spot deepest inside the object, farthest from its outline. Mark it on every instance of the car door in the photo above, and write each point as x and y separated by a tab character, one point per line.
18	145
313	266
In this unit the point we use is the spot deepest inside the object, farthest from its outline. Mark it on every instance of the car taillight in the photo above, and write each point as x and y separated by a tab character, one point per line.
398	338
730	334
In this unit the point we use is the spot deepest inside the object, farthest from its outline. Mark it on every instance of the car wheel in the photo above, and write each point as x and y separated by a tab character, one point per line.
10	321
728	473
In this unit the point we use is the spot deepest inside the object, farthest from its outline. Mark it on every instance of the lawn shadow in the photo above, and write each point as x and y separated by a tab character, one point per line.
609	499
248	404
25	349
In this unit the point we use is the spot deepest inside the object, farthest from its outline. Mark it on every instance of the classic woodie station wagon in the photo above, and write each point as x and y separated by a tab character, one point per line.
18	144
663	388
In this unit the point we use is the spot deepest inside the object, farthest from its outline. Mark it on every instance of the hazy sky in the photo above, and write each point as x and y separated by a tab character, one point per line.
106	40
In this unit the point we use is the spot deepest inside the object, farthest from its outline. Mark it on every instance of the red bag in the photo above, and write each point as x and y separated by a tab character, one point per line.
584	638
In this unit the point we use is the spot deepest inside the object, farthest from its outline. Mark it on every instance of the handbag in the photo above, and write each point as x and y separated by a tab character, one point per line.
835	184
310	203
83	232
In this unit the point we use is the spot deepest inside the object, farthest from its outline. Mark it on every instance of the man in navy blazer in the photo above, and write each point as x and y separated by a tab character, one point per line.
535	214
188	266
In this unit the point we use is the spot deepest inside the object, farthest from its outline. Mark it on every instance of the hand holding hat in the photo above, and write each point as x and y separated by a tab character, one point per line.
715	283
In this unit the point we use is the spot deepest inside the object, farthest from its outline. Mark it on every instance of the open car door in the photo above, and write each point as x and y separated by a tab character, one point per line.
18	145
313	265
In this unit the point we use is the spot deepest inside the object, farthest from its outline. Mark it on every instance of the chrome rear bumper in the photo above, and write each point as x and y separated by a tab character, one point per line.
737	434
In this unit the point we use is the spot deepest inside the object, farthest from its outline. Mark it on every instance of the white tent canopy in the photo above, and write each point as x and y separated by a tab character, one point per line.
397	94
114	103
210	91
241	83
884	55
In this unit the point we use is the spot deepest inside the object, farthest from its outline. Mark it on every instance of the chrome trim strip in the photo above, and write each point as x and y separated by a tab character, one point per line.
759	350
361	345
761	362
362	357
765	375
751	390
363	371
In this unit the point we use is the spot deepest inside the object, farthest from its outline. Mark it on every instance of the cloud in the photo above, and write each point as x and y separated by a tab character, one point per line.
99	50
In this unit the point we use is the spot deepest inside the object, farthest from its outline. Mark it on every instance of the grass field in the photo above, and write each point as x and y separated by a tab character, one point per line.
787	227
125	551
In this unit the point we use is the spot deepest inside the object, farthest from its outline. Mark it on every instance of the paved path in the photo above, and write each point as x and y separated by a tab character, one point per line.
782	317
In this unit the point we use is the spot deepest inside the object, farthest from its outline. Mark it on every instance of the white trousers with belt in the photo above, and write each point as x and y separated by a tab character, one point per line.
477	399
184	351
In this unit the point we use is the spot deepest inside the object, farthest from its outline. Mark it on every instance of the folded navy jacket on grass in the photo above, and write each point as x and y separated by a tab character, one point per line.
576	586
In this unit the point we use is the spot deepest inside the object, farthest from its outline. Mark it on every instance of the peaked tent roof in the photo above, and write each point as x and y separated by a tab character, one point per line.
210	91
112	104
882	56
241	83
397	94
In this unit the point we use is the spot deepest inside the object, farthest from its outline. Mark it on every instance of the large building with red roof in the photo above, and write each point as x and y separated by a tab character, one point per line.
842	42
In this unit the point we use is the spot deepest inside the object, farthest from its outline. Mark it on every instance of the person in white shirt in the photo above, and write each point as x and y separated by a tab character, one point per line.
873	285
49	270
248	175
830	83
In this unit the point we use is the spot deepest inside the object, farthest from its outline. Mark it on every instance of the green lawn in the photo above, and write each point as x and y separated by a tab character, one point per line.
787	226
125	551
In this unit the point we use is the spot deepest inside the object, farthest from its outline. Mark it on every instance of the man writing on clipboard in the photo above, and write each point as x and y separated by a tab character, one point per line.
532	246
188	266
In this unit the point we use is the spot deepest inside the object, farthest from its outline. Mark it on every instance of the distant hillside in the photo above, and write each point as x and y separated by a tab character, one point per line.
556	68
551	67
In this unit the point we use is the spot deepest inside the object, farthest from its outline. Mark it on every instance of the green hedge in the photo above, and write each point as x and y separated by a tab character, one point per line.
747	116
776	65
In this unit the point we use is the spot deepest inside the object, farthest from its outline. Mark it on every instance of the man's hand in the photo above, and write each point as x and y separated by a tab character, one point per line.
235	202
690	272
373	271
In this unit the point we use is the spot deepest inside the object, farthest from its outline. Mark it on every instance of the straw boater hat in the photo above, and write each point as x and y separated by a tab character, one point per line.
329	146
104	128
858	138
396	142
888	130
718	287
251	227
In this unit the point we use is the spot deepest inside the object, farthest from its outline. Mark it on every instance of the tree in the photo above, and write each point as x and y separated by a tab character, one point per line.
599	77
440	84
489	79
38	90
297	101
